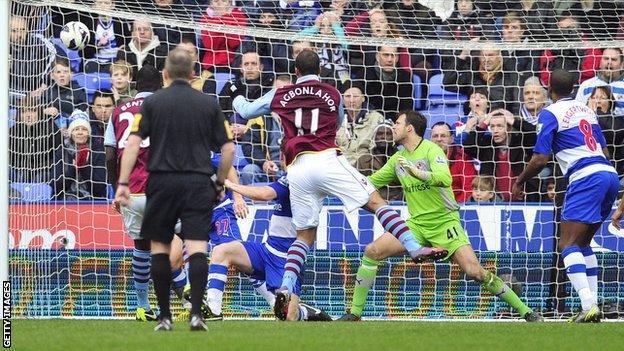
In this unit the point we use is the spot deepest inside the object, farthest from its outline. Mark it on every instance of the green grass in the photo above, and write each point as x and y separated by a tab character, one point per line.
93	335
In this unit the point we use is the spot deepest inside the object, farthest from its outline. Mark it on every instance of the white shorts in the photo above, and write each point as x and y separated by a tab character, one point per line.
314	176
133	217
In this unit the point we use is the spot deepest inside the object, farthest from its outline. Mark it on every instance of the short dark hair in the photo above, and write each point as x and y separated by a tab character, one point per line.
442	123
308	62
561	82
416	120
149	79
179	64
104	93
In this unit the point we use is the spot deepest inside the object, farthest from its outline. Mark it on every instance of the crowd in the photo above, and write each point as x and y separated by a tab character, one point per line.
58	125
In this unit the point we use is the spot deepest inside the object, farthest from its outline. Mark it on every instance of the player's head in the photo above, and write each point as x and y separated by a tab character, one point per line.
307	62
409	124
178	66
103	104
148	79
442	135
561	84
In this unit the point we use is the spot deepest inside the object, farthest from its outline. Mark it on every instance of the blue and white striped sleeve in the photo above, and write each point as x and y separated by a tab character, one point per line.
547	127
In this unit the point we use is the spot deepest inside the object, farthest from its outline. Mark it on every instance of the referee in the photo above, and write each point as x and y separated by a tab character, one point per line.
183	126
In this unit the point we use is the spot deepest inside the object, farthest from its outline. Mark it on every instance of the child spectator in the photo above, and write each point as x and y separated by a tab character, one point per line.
121	77
64	95
483	190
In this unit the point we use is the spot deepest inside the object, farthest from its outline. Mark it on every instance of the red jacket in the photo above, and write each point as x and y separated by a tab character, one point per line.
463	171
220	47
590	63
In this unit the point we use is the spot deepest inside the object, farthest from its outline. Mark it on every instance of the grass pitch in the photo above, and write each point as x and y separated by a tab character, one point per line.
93	335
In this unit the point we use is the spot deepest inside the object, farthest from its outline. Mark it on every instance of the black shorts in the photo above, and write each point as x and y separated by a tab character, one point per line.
187	196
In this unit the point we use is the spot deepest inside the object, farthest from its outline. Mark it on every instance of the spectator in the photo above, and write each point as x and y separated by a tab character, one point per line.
384	147
33	141
486	72
504	152
300	14
373	23
582	62
551	191
467	22
201	75
109	34
251	80
101	111
121	78
144	49
348	9
609	74
171	35
540	19
355	136
461	165
612	124
524	62
388	89
273	52
599	20
534	99
333	56
80	169
220	47
483	190
259	140
64	95
477	110
31	61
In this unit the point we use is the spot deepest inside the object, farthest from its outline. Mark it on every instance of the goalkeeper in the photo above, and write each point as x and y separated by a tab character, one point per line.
422	169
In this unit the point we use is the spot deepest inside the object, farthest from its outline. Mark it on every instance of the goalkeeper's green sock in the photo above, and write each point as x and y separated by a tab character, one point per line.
363	282
497	287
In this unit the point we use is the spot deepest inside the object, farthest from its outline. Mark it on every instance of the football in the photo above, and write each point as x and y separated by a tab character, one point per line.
75	35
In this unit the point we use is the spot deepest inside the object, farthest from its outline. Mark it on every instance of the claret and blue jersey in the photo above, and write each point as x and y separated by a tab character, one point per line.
570	130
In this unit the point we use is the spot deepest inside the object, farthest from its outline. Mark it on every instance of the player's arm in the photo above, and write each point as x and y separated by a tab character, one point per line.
386	174
240	207
247	109
111	153
547	128
256	193
440	174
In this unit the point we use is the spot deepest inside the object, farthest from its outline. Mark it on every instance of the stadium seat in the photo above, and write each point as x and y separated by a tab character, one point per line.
220	80
437	94
440	113
75	61
418	98
239	158
33	192
93	82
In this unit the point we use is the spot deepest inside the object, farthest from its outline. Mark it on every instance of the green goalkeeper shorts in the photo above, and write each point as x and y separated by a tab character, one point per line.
449	235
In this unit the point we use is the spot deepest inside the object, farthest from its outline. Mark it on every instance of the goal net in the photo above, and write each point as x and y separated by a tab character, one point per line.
478	71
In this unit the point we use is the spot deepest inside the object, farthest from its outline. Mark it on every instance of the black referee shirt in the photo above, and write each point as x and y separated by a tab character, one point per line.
184	126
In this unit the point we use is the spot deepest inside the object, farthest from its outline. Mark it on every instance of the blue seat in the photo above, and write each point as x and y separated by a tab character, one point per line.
75	61
440	113
417	92
437	94
220	80
93	82
239	158
33	192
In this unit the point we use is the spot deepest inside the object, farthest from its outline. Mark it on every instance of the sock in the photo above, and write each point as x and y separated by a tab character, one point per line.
295	260
497	287
198	276
303	314
591	270
260	287
141	276
161	274
364	280
179	281
392	222
576	270
217	276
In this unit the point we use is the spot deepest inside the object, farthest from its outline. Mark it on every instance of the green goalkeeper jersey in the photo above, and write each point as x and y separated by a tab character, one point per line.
430	202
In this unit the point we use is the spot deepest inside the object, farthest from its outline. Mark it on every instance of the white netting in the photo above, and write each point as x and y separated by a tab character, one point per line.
472	65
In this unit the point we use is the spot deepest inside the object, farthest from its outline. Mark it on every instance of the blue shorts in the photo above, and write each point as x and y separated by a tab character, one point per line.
590	199
224	226
267	266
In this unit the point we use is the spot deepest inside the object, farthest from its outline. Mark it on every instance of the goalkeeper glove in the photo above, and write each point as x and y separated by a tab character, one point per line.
413	170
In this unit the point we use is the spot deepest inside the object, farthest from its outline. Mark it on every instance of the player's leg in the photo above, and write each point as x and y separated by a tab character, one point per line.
178	275
233	253
161	275
387	245
465	257
591	262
